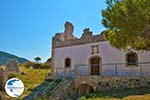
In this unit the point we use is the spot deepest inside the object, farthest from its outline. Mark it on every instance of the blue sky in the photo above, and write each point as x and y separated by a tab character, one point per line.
27	26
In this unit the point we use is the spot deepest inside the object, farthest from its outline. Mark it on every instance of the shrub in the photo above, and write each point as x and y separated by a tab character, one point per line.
36	65
23	73
27	64
83	98
30	89
46	66
49	80
11	75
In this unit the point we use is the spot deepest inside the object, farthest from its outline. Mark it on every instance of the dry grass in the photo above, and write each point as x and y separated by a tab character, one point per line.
31	79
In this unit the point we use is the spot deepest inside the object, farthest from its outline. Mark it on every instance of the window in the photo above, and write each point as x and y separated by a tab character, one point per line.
95	49
67	62
131	59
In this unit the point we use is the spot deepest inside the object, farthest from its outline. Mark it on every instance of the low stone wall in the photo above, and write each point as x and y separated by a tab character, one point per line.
111	83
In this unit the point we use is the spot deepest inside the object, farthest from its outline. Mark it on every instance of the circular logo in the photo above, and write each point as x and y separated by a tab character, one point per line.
14	87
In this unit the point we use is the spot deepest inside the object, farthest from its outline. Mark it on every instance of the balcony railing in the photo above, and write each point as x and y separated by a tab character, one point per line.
142	69
64	72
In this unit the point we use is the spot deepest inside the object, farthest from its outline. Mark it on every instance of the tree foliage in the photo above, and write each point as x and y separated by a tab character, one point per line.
127	23
37	59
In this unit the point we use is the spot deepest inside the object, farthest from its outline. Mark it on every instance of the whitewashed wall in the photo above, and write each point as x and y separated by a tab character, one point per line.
80	54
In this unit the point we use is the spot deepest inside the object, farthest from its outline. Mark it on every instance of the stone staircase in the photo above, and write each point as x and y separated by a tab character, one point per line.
63	91
43	90
59	89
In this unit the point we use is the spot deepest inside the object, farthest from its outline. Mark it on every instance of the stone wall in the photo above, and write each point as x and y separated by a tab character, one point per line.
66	38
111	83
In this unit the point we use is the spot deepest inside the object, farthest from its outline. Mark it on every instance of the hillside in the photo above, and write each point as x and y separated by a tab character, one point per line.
5	57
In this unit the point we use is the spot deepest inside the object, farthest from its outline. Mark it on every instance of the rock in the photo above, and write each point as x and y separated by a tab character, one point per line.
3	96
23	73
1	78
12	66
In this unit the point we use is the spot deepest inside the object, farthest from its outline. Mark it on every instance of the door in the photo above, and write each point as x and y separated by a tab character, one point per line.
95	66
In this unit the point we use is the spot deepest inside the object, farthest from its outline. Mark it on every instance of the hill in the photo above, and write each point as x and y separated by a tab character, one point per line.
5	57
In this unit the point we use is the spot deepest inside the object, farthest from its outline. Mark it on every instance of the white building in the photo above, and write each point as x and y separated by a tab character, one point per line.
93	55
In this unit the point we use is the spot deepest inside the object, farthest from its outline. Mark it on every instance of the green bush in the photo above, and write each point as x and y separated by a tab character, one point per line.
36	66
30	89
46	66
49	80
12	75
28	64
83	98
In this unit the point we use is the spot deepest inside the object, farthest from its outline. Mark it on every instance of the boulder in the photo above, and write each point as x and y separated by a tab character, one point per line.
12	66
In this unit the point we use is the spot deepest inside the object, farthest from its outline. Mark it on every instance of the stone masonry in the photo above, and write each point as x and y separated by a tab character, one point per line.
66	38
111	83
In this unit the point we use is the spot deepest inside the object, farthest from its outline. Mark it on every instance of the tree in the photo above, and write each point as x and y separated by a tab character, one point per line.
127	23
37	59
49	60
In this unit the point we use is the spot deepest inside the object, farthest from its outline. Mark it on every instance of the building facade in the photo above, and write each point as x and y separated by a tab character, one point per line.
93	55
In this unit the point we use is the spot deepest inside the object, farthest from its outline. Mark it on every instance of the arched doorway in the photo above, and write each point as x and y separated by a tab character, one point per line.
84	89
95	63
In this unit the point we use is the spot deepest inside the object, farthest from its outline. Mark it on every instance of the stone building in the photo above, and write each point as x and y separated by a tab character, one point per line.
95	65
93	55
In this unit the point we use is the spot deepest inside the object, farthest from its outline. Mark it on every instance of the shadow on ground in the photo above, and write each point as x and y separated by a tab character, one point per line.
119	94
